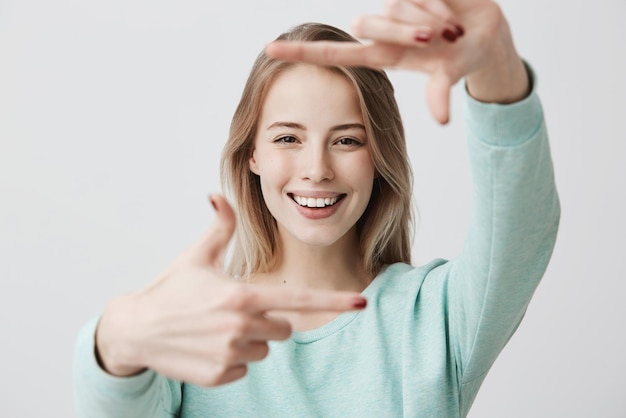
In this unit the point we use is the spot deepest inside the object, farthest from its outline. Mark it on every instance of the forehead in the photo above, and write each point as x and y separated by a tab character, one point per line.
309	93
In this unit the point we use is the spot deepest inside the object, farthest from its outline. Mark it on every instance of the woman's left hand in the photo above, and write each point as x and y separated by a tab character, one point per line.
447	39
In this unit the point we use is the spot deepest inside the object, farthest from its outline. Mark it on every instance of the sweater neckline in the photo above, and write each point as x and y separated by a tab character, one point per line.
341	321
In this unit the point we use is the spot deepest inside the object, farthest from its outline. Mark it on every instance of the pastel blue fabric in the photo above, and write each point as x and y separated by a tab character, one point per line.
429	334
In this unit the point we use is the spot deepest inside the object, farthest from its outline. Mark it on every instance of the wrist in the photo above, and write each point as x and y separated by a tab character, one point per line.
502	77
114	353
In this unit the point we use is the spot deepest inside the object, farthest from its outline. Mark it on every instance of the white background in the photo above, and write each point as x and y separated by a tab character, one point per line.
112	117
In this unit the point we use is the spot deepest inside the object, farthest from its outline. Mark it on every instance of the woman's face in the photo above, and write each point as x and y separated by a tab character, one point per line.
312	157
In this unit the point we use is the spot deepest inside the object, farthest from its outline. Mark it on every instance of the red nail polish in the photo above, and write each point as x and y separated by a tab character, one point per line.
449	35
422	37
212	202
360	303
459	30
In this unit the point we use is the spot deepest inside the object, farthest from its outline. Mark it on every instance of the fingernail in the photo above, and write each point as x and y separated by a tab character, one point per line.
212	202
449	35
422	37
459	30
360	303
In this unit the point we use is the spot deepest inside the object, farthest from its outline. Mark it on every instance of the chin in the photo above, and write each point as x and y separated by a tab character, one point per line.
317	240
319	236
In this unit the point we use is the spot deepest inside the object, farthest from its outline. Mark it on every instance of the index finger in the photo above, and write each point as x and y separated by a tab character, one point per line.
348	54
259	298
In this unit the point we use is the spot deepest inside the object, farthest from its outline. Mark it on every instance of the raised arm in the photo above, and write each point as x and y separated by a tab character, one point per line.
515	210
513	225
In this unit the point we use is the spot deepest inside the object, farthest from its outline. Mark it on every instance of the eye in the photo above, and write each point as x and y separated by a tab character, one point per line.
287	139
351	142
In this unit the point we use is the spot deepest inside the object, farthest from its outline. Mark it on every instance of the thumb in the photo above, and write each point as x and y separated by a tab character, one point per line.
438	96
211	248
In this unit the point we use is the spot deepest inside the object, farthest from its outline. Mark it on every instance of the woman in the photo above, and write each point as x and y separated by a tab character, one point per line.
317	167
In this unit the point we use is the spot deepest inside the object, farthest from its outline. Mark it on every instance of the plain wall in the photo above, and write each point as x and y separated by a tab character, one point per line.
112	117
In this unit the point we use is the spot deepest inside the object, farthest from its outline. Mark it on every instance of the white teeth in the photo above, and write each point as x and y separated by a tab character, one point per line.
313	202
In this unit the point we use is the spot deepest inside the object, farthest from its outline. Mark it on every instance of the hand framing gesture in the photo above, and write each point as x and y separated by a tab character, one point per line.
196	325
448	40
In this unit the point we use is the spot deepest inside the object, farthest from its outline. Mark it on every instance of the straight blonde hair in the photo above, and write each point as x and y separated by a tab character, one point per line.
385	228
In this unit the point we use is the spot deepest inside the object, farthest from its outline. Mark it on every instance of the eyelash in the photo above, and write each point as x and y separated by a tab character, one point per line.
282	139
352	142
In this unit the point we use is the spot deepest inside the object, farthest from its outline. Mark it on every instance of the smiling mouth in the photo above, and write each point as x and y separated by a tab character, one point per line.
316	202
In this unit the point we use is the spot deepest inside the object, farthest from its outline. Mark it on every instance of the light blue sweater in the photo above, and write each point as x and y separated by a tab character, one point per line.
428	336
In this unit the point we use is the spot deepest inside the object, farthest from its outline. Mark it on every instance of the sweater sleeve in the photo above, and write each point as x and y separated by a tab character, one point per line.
513	224
98	394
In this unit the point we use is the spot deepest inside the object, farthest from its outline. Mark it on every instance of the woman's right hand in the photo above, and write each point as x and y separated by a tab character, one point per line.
446	39
195	324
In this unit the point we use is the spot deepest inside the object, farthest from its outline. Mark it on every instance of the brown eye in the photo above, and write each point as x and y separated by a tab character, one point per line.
286	140
349	142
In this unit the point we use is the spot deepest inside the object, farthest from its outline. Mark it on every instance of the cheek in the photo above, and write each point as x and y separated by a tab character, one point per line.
273	171
364	172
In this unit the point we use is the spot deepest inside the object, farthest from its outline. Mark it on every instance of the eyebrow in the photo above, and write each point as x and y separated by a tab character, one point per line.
294	125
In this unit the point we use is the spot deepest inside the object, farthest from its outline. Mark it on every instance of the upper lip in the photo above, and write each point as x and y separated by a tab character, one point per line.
315	194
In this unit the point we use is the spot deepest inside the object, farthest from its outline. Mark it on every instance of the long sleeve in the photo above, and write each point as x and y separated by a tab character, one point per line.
513	224
100	395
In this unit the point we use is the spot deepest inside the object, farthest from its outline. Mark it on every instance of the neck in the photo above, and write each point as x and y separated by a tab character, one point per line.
335	267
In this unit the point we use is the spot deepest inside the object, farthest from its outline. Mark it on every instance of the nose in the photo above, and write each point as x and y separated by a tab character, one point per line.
316	164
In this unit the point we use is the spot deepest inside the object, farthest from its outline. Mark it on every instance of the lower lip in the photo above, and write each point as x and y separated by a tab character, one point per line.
318	213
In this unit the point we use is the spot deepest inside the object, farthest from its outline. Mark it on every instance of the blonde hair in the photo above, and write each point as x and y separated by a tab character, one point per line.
384	229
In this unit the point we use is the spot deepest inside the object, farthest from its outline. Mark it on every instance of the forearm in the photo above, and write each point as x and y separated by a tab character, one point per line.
502	77
513	225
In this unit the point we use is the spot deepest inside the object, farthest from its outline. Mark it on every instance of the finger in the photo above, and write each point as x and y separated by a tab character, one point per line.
349	54
437	8
438	96
199	370
253	351
233	373
227	375
266	328
257	298
245	328
211	248
380	29
408	12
